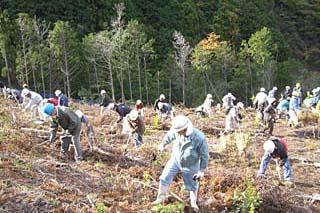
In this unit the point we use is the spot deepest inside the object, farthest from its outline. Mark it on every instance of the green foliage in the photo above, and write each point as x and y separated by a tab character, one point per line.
247	199
176	207
101	208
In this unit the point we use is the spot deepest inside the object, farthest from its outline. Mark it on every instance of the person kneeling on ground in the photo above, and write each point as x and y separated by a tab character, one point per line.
189	156
277	149
136	127
70	122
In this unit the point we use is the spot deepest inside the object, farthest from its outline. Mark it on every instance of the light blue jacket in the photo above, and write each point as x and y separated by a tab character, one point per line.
191	151
294	104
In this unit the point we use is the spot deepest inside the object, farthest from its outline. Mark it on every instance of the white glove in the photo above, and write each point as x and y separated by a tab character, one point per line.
161	147
198	175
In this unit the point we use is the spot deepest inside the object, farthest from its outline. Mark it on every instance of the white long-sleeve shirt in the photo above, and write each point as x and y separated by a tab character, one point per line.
35	99
260	98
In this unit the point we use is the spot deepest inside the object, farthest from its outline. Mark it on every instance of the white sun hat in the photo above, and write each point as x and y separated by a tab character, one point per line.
180	123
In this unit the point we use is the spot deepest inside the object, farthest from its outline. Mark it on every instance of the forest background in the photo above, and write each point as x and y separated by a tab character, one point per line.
138	49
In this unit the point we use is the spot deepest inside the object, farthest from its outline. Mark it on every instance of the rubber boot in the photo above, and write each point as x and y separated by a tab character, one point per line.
193	201
162	191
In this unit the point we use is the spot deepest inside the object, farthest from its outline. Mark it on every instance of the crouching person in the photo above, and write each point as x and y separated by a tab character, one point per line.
189	156
136	126
71	124
277	149
233	118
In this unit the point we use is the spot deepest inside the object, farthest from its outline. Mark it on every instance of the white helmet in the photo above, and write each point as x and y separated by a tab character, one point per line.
8	90
57	92
25	85
25	92
209	95
288	87
269	146
262	89
103	92
275	88
133	115
162	97
182	122
240	105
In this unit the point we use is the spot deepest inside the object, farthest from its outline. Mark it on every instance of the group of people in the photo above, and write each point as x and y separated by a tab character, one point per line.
190	154
289	104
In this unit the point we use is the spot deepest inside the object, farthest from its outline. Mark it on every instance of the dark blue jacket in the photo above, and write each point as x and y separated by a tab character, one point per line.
63	100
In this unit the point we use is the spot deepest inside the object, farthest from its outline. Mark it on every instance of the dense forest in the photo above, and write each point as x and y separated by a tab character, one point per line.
139	49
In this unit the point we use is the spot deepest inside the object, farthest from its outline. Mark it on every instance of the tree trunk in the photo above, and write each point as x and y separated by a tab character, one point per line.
34	77
170	90
50	73
111	80
183	85
121	85
129	76
25	58
146	78
7	67
158	83
139	76
96	76
251	82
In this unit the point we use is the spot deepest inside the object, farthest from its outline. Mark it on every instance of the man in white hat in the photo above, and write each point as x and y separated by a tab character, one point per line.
206	108
105	101
161	99
189	156
233	118
260	102
270	115
33	102
136	127
62	99
277	149
227	101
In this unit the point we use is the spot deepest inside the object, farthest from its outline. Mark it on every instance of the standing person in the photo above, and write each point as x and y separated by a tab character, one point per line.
287	92
277	149
233	118
89	132
33	102
139	107
161	99
294	108
189	156
273	93
270	115
300	91
260	102
70	122
105	101
227	101
136	127
62	99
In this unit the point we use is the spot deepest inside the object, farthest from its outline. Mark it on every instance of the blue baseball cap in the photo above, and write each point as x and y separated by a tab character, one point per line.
48	109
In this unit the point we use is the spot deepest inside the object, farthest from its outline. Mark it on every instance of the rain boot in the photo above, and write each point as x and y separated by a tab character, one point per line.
162	191
193	201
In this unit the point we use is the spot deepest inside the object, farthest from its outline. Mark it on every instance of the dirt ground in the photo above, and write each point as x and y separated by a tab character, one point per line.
116	177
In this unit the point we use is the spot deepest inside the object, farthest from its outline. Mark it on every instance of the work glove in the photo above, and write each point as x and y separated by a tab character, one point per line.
198	175
161	147
68	133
